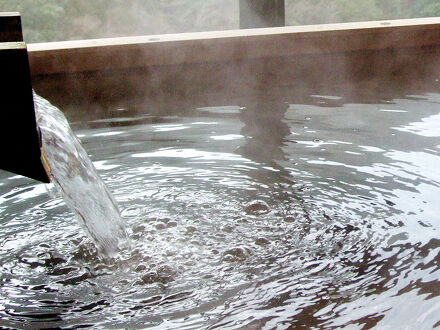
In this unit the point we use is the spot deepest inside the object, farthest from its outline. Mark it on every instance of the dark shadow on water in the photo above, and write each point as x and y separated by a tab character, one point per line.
265	132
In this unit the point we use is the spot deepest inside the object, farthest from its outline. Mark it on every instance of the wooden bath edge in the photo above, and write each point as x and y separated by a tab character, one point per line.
230	45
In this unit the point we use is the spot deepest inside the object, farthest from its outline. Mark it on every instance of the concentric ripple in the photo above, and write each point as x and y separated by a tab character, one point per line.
319	217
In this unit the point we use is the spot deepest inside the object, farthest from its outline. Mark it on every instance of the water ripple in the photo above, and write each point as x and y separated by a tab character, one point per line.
310	217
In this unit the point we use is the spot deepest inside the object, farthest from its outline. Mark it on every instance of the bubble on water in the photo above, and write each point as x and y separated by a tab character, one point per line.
160	226
138	231
238	253
257	207
262	241
171	224
161	274
140	268
191	229
289	219
170	253
228	229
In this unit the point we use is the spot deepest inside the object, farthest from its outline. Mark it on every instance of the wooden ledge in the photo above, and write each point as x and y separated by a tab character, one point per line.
232	45
12	45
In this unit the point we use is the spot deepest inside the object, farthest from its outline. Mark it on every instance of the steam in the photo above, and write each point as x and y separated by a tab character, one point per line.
154	17
56	20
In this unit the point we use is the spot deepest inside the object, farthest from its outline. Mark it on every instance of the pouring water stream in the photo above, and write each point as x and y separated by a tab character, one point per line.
73	174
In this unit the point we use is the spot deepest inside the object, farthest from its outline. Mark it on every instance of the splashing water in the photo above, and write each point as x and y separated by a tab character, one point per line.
75	177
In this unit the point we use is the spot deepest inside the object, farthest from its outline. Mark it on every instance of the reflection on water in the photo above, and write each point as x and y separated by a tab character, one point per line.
266	214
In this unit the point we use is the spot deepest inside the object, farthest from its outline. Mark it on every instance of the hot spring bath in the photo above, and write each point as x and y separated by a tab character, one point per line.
319	213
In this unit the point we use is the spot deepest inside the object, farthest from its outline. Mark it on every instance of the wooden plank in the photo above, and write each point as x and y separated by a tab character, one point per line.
176	88
10	27
261	13
233	45
18	132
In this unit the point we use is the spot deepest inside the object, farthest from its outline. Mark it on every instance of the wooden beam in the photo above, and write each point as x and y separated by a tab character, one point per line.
10	27
233	45
18	129
261	13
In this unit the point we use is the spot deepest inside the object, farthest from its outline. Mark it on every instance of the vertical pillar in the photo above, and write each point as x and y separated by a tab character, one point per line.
261	13
10	27
19	137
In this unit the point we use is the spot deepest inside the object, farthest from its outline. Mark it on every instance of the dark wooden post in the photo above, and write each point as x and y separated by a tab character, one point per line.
19	137
10	27
261	13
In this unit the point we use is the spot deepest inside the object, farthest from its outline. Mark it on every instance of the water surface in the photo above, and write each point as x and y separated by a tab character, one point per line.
277	215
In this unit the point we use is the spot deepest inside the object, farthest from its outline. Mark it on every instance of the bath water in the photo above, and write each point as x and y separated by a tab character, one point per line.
318	214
